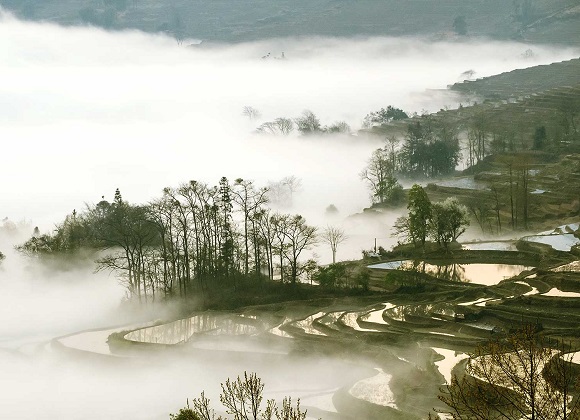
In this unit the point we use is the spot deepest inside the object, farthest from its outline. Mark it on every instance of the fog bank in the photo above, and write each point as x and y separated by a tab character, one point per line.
86	111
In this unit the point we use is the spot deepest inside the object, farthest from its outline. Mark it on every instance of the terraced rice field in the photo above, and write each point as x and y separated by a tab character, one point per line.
523	82
401	338
384	355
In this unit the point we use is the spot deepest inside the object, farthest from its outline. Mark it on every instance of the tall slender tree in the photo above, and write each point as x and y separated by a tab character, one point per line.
333	236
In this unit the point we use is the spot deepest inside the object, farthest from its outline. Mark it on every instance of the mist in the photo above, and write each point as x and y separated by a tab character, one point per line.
85	111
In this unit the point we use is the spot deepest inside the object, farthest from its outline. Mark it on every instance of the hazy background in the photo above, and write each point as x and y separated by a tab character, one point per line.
84	111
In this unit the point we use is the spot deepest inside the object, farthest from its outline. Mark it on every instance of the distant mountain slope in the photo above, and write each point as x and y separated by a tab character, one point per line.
556	21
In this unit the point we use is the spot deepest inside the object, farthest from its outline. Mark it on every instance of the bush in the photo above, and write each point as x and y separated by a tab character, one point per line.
384	116
185	413
331	276
363	278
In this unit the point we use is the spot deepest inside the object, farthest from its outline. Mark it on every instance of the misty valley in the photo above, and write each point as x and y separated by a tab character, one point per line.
290	210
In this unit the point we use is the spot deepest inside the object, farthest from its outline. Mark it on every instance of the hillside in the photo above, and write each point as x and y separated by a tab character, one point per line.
521	133
509	107
518	83
553	21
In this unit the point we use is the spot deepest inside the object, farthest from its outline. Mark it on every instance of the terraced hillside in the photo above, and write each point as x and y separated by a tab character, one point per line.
508	108
510	124
411	341
553	21
552	193
523	82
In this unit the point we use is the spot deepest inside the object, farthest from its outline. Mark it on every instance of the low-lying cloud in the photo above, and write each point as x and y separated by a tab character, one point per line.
84	111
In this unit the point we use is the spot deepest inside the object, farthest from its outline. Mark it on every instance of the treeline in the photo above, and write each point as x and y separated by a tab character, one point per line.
429	149
193	237
307	124
441	222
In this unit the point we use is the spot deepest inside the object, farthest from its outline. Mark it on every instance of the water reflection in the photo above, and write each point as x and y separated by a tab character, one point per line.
279	332
487	274
234	327
350	319
563	242
449	361
431	311
329	320
306	324
376	316
490	246
182	330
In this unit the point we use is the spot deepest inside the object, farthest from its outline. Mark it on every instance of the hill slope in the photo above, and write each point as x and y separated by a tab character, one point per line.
554	21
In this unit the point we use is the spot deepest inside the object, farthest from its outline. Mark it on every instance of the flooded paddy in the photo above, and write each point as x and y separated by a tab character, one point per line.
331	353
486	274
559	293
490	246
308	353
375	389
94	341
350	319
278	331
376	316
562	238
467	183
302	352
576	357
450	360
306	324
175	332
560	242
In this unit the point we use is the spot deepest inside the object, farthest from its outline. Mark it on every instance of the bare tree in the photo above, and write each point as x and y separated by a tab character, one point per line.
524	377
333	236
467	74
283	126
379	175
243	400
269	127
282	192
251	112
308	123
293	183
298	237
249	199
